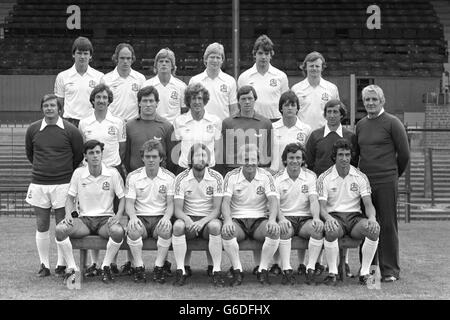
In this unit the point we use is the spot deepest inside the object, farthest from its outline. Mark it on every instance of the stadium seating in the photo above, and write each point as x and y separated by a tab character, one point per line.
98	243
409	43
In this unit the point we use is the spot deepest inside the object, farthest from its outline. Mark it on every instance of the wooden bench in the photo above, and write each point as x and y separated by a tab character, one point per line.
98	243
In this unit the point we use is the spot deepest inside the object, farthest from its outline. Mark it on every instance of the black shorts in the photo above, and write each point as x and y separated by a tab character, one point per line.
249	225
298	222
94	223
347	220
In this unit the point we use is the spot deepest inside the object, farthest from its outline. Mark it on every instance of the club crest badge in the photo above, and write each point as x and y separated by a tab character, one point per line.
162	189
135	87
174	95
111	131
260	190
354	187
325	96
106	186
92	84
209	128
209	191
301	137
223	88
305	189
273	82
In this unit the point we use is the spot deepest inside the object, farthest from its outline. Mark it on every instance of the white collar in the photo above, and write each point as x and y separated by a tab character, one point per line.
327	130
143	174
91	119
105	171
206	176
352	172
381	112
73	70
301	176
116	74
271	69
258	176
59	123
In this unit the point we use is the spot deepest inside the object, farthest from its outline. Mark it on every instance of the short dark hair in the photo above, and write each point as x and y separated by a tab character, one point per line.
341	144
91	144
192	150
153	144
293	148
335	102
264	43
245	90
51	96
288	96
100	88
82	44
146	91
192	90
120	46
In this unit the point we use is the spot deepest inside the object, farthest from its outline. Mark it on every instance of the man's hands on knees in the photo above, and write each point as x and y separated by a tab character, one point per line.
285	225
373	226
317	225
113	220
331	225
272	227
135	223
164	224
228	228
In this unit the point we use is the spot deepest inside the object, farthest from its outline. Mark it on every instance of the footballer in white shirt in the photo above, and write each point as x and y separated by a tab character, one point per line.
198	197
93	187
299	210
341	189
249	210
149	206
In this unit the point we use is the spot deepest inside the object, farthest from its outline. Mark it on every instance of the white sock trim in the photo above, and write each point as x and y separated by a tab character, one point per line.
134	243
332	244
315	242
165	243
43	235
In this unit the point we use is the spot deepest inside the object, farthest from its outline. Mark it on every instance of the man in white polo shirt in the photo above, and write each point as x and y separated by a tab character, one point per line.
170	89
198	197
197	125
341	189
73	86
221	86
249	210
299	210
105	127
314	91
94	186
124	83
268	81
149	205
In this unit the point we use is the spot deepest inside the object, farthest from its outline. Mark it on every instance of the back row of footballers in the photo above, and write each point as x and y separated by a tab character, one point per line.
248	203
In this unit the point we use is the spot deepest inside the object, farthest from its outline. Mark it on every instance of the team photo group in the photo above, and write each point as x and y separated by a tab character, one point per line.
128	158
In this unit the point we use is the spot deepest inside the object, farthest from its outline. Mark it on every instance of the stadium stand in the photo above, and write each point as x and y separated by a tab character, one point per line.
410	42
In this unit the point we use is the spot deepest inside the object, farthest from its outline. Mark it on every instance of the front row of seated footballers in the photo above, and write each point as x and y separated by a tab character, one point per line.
248	203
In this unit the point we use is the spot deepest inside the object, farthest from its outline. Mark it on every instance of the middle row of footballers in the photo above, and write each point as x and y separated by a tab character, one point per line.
248	203
122	142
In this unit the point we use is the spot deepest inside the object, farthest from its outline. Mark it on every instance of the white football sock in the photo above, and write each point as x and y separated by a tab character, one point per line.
136	250
179	250
43	247
285	253
368	252
111	250
66	250
61	261
268	249
314	249
332	253
163	250
215	249
231	247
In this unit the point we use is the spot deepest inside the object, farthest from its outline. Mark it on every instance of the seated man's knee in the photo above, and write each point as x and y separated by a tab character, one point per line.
166	234
61	231
116	232
214	227
287	235
179	228
331	235
134	234
316	235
